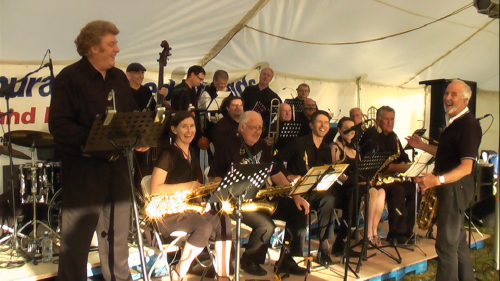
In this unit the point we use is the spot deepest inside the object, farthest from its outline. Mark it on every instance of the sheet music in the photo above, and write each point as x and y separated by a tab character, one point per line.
311	177
419	164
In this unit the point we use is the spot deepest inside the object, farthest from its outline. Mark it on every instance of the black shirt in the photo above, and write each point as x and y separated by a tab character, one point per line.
373	141
460	140
182	96
223	129
252	95
142	97
178	168
234	152
295	155
79	93
305	129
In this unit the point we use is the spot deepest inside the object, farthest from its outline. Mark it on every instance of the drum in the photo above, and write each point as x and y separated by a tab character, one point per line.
39	182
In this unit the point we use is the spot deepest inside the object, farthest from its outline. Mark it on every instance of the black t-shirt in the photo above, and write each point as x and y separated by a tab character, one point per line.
295	155
142	97
460	140
234	152
182	96
178	168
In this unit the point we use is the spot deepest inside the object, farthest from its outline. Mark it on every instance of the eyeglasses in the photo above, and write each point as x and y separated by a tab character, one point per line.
201	79
255	128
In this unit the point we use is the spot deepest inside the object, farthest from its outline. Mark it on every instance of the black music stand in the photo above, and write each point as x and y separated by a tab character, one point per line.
287	132
242	182
368	167
125	131
296	104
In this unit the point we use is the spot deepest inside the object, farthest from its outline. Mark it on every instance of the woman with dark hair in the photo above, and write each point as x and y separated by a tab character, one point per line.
177	169
343	151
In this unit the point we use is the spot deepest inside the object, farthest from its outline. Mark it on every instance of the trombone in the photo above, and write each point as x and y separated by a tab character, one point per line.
274	114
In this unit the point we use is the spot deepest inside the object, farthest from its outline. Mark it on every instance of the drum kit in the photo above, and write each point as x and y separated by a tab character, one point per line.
39	184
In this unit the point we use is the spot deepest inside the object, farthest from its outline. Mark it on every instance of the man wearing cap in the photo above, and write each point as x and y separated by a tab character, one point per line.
142	94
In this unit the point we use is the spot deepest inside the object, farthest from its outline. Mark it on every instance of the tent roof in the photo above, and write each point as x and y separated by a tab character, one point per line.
235	35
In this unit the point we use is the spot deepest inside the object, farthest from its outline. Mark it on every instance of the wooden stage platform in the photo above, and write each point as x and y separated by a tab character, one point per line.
376	268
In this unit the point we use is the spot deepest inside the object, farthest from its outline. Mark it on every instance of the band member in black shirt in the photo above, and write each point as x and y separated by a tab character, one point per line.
307	152
453	180
247	147
96	186
400	195
184	94
177	169
258	97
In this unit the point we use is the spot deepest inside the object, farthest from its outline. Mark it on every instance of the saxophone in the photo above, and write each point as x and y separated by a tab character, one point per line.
178	201
387	177
428	209
264	205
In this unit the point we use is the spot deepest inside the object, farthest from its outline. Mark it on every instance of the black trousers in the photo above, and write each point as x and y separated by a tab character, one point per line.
263	228
454	260
95	197
400	197
324	204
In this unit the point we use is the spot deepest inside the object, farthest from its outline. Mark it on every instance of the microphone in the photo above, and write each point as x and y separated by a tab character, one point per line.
51	66
481	118
354	128
11	110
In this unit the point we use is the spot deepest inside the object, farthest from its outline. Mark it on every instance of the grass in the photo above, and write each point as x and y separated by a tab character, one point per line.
482	260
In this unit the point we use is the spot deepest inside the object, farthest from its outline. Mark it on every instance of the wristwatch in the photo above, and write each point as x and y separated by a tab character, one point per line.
441	179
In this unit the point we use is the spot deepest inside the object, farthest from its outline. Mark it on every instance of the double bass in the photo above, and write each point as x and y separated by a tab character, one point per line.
152	153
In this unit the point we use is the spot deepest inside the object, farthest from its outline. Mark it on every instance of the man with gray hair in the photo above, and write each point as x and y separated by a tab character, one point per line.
453	181
400	195
247	147
258	97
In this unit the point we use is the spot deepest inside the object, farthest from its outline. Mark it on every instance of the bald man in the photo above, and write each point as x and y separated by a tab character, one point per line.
247	147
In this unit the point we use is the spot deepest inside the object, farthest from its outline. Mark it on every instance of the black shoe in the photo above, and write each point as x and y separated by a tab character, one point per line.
288	265
396	239
323	258
252	268
352	253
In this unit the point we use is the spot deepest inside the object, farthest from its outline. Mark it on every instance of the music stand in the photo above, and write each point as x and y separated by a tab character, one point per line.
125	131
296	104
369	167
242	182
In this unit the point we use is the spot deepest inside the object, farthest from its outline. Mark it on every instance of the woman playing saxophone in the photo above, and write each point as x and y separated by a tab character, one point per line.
177	169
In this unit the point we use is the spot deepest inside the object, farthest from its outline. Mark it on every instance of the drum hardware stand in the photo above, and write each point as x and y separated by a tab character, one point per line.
126	131
15	246
242	182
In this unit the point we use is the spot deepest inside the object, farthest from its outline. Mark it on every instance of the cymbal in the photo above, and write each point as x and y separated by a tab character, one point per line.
15	153
30	138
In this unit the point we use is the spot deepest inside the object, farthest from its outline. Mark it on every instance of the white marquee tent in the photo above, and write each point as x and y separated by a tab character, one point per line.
352	53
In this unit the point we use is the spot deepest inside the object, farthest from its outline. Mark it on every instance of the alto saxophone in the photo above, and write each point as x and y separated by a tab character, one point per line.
264	205
178	201
385	178
428	209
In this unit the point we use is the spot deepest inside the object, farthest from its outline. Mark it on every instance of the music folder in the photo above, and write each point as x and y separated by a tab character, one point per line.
320	178
421	162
